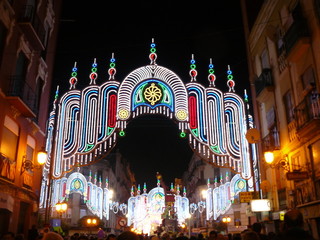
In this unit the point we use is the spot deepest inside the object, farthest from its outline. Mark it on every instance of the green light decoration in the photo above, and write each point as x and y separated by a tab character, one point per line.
89	147
215	149
122	133
183	134
110	130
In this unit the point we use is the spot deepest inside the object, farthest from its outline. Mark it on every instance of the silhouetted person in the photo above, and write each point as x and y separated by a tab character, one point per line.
213	235
200	236
100	234
250	235
52	236
257	227
236	236
33	233
111	237
293	227
128	235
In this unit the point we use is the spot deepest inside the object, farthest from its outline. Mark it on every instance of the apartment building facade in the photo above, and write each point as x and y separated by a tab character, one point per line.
283	45
28	33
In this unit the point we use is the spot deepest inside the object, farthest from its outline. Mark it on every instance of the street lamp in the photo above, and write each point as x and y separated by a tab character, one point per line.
61	208
28	165
226	220
283	163
42	156
91	223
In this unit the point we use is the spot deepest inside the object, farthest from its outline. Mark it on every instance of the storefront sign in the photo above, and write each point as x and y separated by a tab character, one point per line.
246	197
297	175
260	205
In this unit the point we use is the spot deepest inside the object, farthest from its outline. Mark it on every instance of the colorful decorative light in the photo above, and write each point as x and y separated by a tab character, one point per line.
211	76
93	75
88	120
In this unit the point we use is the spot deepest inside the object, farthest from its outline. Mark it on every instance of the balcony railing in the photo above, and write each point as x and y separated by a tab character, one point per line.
264	81
298	30
19	88
271	142
32	27
308	110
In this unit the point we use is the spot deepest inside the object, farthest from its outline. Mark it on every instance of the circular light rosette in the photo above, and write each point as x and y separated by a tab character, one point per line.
123	114
181	115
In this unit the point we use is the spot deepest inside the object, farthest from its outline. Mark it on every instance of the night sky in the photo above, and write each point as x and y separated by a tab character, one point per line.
207	29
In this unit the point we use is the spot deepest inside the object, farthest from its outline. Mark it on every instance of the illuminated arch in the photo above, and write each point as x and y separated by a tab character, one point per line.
89	121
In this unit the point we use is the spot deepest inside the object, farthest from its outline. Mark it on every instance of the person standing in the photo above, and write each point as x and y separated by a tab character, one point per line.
101	234
33	233
293	227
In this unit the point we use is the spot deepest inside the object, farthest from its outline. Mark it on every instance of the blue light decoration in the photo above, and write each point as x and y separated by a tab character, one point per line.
220	197
84	124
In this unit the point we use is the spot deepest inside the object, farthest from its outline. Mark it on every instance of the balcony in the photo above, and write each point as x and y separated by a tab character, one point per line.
271	142
32	27
307	116
297	40
21	95
264	81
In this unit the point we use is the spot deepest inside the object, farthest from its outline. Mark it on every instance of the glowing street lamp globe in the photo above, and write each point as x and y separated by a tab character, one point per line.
61	207
226	219
42	157
269	157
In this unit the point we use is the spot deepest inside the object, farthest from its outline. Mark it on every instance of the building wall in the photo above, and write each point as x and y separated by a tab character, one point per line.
283	53
27	48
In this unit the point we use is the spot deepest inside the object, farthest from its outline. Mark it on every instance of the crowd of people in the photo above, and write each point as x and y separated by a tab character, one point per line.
292	229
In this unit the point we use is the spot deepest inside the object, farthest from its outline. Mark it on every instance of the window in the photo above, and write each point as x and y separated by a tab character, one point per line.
288	104
271	118
22	65
296	162
8	148
31	145
307	79
315	151
9	141
39	87
3	36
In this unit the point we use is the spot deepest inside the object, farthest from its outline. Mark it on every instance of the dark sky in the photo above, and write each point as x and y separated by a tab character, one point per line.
207	29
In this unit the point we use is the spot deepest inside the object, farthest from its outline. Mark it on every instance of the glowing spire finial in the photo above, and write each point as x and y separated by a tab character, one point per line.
230	81
73	80
153	55
107	182
112	68
93	75
211	76
144	188
193	72
138	191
